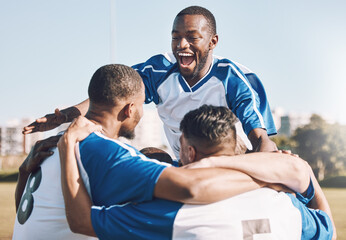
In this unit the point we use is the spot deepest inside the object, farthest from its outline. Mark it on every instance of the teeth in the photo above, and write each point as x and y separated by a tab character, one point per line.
185	54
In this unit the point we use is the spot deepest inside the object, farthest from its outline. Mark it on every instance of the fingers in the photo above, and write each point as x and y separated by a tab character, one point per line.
27	130
41	120
287	152
33	127
47	144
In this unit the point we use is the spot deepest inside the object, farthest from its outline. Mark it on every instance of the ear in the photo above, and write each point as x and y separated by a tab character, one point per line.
213	42
191	154
129	109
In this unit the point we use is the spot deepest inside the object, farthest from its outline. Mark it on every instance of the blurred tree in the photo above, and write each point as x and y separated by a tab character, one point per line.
283	142
322	145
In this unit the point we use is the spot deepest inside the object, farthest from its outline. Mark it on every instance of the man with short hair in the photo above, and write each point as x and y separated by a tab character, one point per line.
191	77
116	173
207	132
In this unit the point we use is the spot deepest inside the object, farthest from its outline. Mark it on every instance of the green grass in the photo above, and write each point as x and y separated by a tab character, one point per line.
335	196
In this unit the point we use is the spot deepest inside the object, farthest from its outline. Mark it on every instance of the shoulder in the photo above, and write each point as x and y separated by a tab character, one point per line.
226	69
98	145
157	63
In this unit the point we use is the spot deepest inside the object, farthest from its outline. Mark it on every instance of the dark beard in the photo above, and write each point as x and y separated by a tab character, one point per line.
200	66
130	134
127	134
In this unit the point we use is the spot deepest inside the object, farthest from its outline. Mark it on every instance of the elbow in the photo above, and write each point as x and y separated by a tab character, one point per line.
77	226
197	193
301	173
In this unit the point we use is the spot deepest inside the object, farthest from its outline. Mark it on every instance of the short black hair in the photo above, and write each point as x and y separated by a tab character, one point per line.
158	154
197	10
112	82
210	125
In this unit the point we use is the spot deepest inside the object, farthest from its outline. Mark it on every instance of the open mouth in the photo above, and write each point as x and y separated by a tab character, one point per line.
186	59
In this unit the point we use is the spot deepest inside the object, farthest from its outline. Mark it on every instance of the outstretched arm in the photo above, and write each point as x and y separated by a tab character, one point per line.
270	167
53	120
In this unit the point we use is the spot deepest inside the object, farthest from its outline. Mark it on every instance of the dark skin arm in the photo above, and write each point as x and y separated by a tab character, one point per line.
39	152
260	141
53	120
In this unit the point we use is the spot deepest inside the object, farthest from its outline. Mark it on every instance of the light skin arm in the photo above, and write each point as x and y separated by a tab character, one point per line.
77	201
285	169
319	201
53	120
260	141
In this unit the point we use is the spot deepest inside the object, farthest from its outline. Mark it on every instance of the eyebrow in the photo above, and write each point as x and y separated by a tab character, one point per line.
189	32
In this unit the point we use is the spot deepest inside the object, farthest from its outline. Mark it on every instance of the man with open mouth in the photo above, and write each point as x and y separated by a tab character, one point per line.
191	77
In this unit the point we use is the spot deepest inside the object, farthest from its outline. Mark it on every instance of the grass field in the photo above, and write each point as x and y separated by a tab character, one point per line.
336	198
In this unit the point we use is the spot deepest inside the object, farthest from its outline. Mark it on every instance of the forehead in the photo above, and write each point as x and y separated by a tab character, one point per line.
190	23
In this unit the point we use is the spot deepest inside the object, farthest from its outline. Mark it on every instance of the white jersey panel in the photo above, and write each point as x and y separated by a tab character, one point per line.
175	103
47	219
259	214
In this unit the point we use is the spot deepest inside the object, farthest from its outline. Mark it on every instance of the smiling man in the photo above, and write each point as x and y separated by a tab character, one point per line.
189	78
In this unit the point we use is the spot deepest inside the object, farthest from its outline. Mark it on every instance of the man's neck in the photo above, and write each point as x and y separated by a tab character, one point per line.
110	127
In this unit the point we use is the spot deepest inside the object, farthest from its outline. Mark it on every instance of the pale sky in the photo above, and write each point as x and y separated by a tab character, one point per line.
50	49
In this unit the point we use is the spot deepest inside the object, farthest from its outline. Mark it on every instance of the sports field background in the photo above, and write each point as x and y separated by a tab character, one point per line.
336	198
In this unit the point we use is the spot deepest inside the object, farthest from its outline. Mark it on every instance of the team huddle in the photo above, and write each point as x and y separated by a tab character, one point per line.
93	185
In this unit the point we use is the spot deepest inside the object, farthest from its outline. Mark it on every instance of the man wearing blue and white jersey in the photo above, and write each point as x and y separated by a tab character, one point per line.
39	200
262	213
224	85
115	171
190	78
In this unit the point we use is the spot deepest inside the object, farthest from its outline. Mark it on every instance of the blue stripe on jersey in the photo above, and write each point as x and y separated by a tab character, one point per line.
117	172
183	84
150	220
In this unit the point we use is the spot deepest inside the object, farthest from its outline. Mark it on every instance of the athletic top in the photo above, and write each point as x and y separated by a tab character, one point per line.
122	180
226	84
41	212
259	214
115	172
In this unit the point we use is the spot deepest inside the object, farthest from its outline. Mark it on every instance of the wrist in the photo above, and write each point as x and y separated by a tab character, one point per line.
71	113
23	169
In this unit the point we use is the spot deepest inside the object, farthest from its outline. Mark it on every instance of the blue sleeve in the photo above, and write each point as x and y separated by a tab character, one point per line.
309	194
316	224
247	99
263	107
150	220
153	72
118	175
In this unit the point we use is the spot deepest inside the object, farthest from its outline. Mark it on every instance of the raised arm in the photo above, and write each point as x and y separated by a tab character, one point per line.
270	167
53	120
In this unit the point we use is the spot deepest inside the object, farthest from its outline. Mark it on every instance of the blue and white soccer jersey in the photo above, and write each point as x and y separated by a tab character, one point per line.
258	214
225	84
41	213
123	180
116	173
